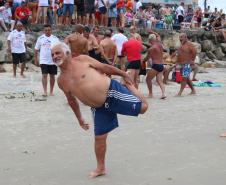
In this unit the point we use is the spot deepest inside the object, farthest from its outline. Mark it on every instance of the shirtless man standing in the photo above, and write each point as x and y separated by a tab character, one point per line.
137	36
80	76
185	58
156	53
108	49
98	38
92	42
78	43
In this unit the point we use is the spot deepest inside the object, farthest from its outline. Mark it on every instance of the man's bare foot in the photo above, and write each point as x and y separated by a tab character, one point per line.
222	135
66	104
45	94
23	75
51	94
122	82
149	96
192	92
163	96
96	173
14	76
178	95
156	83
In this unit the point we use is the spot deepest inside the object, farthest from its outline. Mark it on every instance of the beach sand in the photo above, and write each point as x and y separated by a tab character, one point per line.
176	142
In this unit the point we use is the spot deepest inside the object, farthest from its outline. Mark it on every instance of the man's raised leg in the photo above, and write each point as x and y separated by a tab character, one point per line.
100	150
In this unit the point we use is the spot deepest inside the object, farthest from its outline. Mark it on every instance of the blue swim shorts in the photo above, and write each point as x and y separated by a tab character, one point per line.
185	70
119	100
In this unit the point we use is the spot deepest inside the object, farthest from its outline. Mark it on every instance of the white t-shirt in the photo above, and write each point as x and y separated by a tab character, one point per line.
44	45
179	11
43	3
68	1
5	14
138	5
17	1
119	39
100	4
17	40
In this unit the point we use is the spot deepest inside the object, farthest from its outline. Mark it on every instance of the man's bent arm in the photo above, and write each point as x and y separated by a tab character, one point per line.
193	51
148	56
73	102
103	54
158	38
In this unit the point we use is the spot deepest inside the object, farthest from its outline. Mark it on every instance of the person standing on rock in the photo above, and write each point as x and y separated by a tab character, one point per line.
43	45
132	47
18	47
185	58
156	54
78	43
82	79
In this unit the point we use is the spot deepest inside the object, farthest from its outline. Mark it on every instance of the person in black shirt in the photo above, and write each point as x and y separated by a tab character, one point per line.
218	27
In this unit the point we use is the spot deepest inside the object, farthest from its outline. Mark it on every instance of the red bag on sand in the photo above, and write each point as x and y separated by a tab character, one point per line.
178	76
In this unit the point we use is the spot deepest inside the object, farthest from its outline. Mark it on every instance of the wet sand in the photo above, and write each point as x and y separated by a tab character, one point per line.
176	142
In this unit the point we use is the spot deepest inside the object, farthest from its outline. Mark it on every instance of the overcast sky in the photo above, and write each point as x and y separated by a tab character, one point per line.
219	4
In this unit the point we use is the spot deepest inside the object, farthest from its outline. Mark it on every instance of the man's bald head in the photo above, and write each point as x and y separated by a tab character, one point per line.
107	33
132	29
19	26
79	28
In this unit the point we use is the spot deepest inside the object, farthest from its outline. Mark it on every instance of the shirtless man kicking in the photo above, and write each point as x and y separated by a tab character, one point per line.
185	58
108	49
80	76
98	38
156	53
79	44
92	42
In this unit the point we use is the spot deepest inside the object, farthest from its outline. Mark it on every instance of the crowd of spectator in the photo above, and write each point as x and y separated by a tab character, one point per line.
107	13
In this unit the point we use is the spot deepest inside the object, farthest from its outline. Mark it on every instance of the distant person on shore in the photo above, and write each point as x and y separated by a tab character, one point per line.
78	43
92	42
18	47
132	48
108	50
82	78
156	54
185	58
119	39
43	45
96	31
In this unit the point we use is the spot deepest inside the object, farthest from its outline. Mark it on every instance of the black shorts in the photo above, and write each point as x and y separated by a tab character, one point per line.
81	10
102	10
49	69
18	58
199	19
98	57
134	64
119	56
180	18
90	10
